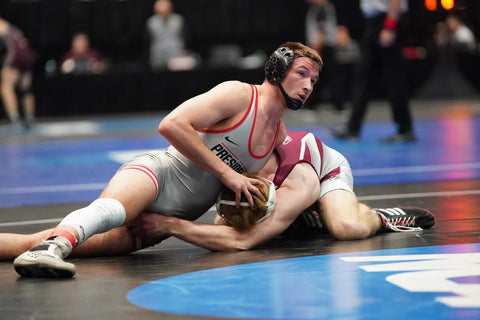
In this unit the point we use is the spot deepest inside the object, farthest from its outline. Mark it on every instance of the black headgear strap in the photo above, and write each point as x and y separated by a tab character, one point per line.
292	104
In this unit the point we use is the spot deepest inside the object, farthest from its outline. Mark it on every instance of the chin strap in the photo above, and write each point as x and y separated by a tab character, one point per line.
292	104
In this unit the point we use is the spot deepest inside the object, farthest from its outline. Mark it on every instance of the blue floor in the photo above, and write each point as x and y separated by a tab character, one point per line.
75	170
422	283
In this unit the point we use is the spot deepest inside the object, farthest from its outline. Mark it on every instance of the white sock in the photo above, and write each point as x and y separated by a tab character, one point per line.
100	216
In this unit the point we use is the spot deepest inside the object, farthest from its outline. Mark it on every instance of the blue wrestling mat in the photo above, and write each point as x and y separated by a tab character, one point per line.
64	171
439	282
447	149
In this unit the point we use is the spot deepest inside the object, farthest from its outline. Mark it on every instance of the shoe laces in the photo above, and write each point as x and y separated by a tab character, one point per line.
401	224
396	220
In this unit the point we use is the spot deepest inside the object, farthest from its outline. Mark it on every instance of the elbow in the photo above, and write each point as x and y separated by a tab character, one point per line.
244	241
236	246
164	127
171	126
230	249
242	247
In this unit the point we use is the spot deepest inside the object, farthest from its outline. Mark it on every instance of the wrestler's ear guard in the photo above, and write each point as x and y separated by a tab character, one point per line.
278	63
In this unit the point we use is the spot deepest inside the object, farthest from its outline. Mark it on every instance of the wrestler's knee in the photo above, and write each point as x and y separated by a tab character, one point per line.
346	230
352	226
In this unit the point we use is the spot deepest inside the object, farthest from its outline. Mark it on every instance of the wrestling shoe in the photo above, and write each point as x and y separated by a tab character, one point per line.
46	260
408	136
345	134
401	219
311	217
308	223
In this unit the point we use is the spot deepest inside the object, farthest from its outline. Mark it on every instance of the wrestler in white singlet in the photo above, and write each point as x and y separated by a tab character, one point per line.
184	189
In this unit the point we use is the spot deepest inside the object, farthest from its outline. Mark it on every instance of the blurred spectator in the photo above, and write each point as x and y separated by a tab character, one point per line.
346	56
455	33
17	72
382	55
81	58
320	35
320	25
167	32
338	50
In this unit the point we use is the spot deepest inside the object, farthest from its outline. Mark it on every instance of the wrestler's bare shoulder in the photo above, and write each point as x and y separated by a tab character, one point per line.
234	88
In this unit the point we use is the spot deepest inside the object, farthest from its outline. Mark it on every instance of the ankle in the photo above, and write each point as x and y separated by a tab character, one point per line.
64	234
381	218
14	116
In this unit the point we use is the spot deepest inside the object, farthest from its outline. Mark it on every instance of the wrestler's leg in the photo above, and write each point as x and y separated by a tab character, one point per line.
9	77
131	189
117	241
127	194
114	242
346	218
28	98
13	244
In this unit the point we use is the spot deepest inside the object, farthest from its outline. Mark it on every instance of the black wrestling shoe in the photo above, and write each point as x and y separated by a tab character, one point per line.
402	219
345	134
308	223
401	137
311	218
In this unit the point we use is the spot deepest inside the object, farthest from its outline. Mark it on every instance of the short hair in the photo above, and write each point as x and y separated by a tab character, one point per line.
306	51
244	218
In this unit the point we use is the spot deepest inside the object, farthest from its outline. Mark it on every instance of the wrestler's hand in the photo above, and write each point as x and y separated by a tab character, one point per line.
239	184
150	226
387	38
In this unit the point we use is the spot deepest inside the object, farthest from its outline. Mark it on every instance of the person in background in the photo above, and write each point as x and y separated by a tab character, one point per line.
320	35
320	25
17	72
81	58
347	54
455	32
167	39
382	53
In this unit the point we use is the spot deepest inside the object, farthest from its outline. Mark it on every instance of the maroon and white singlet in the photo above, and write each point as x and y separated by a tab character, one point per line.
331	167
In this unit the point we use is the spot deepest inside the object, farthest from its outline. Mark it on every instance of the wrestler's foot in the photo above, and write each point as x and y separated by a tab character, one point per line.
408	136
345	134
401	219
46	260
308	223
311	217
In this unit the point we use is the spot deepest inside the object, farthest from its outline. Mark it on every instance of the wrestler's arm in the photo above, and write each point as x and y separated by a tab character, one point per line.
209	110
388	35
299	190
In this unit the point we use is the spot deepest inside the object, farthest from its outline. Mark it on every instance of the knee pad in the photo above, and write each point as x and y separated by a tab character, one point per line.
100	216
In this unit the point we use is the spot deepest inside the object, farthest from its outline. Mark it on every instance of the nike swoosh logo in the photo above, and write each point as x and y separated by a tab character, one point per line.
228	139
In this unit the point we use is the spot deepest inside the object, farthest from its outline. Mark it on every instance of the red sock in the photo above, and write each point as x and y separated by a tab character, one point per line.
66	234
383	222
